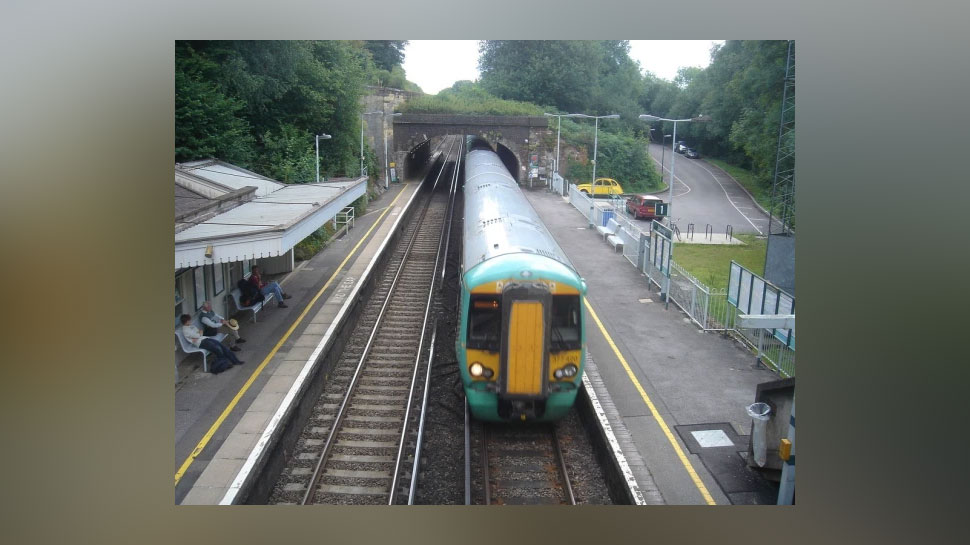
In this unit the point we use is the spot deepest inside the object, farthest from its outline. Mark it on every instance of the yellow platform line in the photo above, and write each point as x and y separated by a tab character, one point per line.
656	414
256	372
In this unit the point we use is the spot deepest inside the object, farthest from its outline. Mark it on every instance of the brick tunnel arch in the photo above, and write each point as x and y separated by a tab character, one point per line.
509	159
416	159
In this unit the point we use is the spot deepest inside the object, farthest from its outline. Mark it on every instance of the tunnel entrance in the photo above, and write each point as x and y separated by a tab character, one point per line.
417	160
509	159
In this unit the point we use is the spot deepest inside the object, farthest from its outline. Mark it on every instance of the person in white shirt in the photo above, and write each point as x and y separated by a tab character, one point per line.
194	336
213	322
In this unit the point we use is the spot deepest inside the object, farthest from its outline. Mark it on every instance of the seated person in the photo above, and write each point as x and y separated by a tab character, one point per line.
194	336
266	288
213	322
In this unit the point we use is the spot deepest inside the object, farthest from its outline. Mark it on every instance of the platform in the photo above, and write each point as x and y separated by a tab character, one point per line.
220	418
667	378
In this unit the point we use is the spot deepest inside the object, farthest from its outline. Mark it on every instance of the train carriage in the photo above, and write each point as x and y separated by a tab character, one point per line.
521	342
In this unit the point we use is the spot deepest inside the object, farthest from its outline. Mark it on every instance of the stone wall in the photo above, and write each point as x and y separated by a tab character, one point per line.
522	135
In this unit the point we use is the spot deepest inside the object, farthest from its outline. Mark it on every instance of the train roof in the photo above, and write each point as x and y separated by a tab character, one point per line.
499	220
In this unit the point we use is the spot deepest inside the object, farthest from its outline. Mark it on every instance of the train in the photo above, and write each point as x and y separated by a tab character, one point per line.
521	339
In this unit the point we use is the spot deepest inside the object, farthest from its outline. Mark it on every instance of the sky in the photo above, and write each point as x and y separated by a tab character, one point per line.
437	64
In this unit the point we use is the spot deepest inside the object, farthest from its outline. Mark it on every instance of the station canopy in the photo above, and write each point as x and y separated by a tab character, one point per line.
270	225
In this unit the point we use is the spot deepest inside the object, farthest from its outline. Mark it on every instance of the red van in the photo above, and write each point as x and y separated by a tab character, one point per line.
643	206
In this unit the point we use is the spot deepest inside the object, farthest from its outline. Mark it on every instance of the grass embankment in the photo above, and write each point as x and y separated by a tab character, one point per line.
747	179
710	263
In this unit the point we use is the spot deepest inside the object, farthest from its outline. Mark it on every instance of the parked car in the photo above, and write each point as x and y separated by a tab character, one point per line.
680	147
691	154
604	187
643	206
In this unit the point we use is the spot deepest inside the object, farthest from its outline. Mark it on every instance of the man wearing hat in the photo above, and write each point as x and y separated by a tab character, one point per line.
213	322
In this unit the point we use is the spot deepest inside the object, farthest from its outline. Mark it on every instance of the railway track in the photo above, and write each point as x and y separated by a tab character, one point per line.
521	466
365	425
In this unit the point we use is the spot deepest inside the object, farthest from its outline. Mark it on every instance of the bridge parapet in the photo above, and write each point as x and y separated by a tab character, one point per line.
522	135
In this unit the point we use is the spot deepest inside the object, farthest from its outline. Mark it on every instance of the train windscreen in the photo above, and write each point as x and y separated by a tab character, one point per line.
565	323
484	323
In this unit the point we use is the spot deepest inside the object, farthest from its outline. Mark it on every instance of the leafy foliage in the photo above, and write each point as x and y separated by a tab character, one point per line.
622	157
465	97
386	53
256	103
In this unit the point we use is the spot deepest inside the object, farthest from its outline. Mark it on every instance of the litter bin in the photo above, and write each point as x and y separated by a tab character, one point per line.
607	216
759	413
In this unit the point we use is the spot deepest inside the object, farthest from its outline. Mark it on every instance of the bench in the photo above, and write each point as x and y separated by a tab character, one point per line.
615	241
255	308
189	348
609	230
609	234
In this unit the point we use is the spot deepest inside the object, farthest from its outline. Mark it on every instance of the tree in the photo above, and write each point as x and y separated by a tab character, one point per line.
386	53
207	122
262	101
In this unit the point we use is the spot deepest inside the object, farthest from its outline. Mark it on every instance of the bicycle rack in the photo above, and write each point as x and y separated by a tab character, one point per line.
728	233
709	232
690	231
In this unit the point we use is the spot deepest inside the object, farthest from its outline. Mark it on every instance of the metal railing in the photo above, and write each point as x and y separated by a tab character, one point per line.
705	306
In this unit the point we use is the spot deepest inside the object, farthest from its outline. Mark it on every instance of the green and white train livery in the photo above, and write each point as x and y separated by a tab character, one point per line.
521	342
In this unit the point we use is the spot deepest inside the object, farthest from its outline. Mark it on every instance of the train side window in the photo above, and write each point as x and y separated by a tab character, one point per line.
565	323
484	323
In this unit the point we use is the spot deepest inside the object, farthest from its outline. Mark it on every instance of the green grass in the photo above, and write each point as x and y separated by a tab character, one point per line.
747	179
710	263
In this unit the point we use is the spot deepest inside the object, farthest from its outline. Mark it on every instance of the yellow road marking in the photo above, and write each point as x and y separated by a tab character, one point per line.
656	414
232	404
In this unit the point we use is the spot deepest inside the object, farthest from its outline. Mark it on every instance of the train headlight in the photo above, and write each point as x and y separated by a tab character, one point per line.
478	370
569	370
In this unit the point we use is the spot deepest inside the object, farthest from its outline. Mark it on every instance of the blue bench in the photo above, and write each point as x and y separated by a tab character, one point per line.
189	348
254	308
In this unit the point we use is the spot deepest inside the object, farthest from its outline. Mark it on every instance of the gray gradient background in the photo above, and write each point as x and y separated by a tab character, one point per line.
86	149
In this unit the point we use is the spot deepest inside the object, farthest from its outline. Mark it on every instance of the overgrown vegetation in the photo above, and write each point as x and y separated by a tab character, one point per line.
741	92
621	156
259	104
467	98
319	239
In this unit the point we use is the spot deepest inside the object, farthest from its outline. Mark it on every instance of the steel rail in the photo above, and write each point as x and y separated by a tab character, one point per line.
341	413
424	406
562	466
468	458
485	484
416	467
395	476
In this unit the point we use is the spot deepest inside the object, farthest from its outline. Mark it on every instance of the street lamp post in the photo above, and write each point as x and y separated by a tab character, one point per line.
558	132
673	157
595	140
362	171
670	193
318	137
663	143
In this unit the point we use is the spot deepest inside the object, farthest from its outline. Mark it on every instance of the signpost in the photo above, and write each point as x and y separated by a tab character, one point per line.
661	250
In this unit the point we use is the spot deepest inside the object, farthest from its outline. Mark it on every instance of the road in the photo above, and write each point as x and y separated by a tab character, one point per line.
705	195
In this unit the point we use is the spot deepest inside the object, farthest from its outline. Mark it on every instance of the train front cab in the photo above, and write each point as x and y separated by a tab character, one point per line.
522	342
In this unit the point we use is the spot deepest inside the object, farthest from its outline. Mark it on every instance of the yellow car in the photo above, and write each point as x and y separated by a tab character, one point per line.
604	187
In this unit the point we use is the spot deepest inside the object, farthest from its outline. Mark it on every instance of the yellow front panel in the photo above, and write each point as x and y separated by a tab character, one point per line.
525	348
